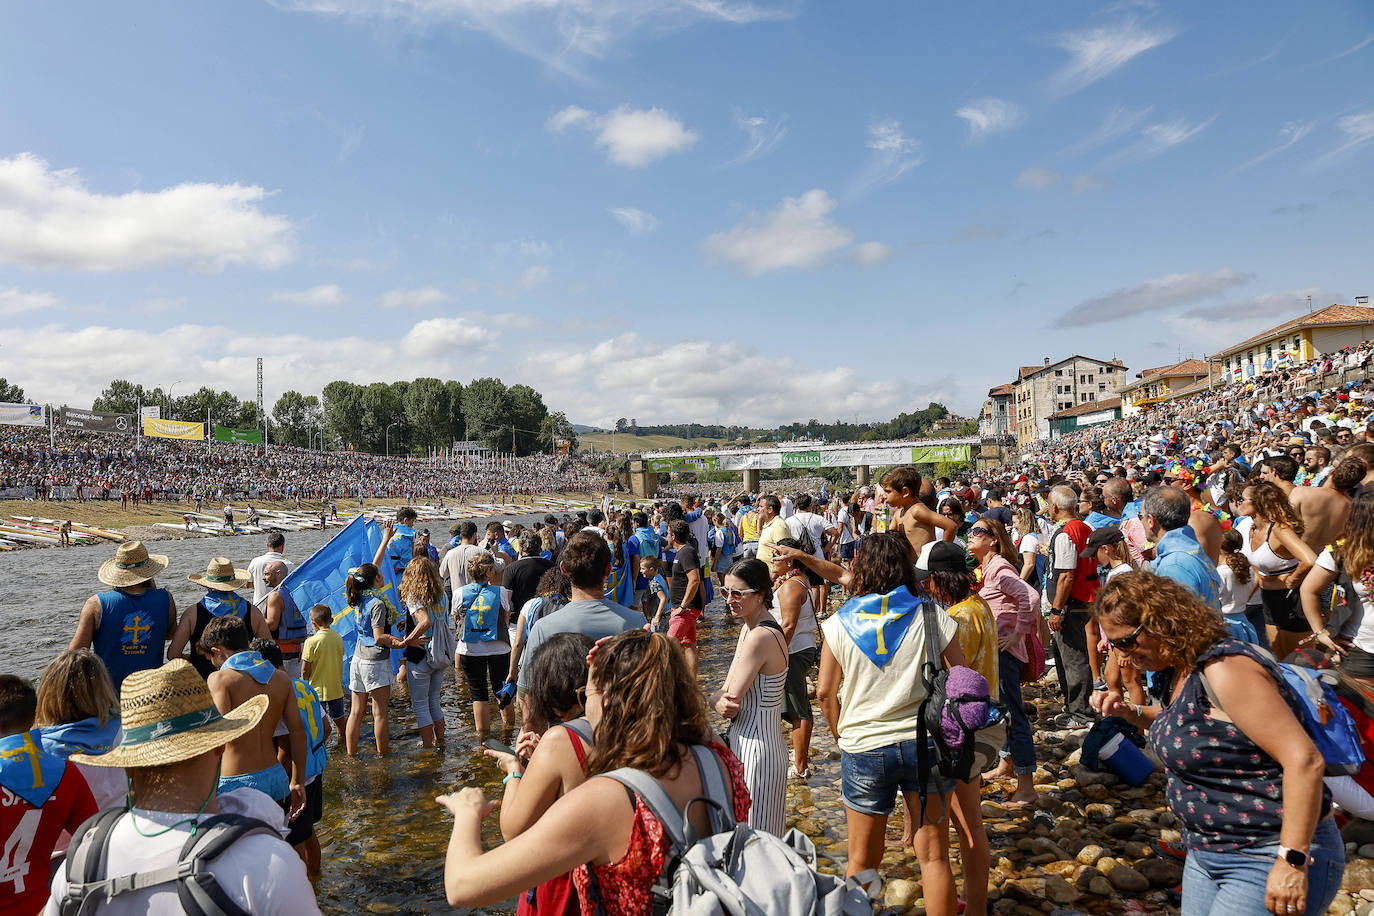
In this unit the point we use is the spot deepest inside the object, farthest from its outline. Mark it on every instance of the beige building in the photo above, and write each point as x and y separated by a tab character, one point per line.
1323	331
998	411
1164	383
1045	390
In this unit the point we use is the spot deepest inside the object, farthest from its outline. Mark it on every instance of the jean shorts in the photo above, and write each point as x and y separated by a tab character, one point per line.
871	779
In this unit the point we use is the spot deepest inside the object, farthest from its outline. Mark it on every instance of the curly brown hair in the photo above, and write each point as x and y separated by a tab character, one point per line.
881	564
651	706
421	584
1166	610
1272	506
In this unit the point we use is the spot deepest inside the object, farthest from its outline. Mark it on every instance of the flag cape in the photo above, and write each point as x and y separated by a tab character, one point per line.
28	772
878	623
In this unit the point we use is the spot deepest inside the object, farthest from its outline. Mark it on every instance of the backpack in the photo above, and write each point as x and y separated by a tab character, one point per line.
442	646
546	605
957	705
197	890
737	870
1323	716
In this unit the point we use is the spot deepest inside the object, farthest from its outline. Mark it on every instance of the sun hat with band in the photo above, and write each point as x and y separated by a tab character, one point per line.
131	565
221	576
169	716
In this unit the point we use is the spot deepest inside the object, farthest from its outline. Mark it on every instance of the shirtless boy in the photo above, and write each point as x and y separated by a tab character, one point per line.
912	518
251	760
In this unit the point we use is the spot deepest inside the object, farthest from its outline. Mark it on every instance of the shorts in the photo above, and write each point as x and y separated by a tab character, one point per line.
485	674
365	676
747	550
640	594
1281	610
870	780
334	708
683	625
847	551
1358	663
796	702
271	781
303	826
986	745
724	563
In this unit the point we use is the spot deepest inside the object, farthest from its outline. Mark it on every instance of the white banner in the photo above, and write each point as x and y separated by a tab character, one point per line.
152	413
22	415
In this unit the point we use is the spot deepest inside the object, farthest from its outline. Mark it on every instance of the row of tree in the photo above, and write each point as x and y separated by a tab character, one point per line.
902	426
400	417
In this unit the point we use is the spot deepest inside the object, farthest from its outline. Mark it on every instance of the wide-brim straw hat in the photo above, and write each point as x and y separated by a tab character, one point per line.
169	716
221	576
131	565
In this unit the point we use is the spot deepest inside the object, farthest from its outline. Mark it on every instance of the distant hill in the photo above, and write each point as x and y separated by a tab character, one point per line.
625	443
580	429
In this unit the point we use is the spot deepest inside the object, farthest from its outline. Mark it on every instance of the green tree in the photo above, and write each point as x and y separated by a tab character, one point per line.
427	412
247	416
11	394
123	396
343	412
453	394
381	407
294	416
486	404
527	413
553	427
221	407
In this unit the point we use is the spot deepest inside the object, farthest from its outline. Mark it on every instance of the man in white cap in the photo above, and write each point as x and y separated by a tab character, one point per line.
128	625
173	739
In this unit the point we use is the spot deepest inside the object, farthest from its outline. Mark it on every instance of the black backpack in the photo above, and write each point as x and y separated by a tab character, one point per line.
197	889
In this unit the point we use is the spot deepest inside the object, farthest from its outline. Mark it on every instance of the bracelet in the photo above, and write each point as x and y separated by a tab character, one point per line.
1138	713
509	776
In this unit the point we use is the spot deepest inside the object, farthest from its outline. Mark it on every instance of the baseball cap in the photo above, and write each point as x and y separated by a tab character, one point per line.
1101	537
940	556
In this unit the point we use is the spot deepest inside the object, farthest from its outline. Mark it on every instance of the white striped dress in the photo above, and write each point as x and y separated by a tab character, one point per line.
756	739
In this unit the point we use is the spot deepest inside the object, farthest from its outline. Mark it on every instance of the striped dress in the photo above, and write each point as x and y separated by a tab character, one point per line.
756	739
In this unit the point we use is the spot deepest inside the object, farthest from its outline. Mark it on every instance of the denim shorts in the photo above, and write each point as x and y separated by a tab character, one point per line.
334	708
871	779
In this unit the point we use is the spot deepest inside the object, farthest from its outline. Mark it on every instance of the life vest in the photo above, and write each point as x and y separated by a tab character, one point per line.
401	549
481	605
543	606
312	718
215	604
1085	574
366	637
729	541
131	632
292	628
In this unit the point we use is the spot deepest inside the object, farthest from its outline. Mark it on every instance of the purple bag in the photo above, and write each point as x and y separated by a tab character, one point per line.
966	706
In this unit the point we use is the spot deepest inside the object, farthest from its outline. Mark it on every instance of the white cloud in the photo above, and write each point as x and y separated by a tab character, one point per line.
1082	183
1285	303
763	136
1290	133
797	235
1150	296
986	117
870	254
536	275
14	301
631	137
631	376
425	297
562	34
50	219
1037	179
1156	140
324	294
1096	53
894	154
440	336
1357	130
1117	123
635	220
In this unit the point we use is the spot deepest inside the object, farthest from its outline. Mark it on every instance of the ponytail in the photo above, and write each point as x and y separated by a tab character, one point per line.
358	581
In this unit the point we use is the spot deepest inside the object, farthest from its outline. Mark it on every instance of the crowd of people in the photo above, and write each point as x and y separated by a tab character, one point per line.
107	466
1160	567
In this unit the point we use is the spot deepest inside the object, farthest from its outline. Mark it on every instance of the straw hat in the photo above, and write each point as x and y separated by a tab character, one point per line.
131	565
221	576
169	716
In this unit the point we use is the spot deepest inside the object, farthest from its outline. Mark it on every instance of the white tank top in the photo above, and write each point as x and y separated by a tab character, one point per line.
804	636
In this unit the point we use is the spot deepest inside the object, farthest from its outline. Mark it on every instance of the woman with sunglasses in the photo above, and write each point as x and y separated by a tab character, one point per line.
1244	778
752	696
1016	612
1272	542
952	509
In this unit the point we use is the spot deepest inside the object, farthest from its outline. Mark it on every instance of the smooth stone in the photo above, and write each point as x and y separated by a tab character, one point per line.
1106	864
1101	887
1359	876
901	893
1089	855
1126	879
1120	829
1366	851
1099	812
1341	905
1165	873
1060	891
1137	850
1143	815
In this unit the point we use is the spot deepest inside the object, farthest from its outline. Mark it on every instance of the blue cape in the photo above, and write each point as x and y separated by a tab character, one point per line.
879	623
87	736
251	664
223	604
28	772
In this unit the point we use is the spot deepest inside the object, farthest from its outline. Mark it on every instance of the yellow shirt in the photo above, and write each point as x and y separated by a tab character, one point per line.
773	532
749	526
325	651
978	638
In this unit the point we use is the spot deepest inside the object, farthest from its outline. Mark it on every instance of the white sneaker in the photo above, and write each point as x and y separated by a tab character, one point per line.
793	774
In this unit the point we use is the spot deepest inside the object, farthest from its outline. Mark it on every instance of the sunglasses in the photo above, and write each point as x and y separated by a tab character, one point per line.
973	531
738	592
1127	643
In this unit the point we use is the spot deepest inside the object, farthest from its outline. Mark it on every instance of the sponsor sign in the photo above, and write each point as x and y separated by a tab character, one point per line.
172	429
684	465
226	434
90	421
930	454
801	459
22	415
154	412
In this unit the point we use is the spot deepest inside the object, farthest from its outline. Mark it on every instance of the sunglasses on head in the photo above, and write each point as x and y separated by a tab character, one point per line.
1127	643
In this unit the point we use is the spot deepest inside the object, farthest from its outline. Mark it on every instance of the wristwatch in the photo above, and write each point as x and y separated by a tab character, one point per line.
1294	857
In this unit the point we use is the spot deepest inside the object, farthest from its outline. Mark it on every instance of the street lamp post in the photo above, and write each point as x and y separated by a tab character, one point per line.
387	436
170	389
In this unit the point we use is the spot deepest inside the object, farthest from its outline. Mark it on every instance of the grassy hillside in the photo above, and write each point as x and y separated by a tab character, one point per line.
625	443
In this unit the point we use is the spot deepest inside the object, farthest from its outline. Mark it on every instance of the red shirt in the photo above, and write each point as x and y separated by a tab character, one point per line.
29	836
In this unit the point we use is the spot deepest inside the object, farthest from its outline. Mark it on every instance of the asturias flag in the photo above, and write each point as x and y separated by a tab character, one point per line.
879	623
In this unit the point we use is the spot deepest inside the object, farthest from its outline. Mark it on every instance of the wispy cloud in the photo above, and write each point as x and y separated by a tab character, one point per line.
1117	123
1290	134
1084	183
635	220
1156	140
1149	297
425	297
14	301
893	155
869	254
1356	47
324	294
1265	306
631	137
986	117
1037	179
1356	130
536	275
1096	53
763	136
797	235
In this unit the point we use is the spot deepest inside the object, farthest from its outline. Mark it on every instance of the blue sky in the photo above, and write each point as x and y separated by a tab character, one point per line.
675	210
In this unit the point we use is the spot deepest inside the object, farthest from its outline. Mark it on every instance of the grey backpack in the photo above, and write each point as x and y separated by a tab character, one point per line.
738	870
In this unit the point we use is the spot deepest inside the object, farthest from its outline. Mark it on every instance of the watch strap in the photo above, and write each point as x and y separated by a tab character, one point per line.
1294	857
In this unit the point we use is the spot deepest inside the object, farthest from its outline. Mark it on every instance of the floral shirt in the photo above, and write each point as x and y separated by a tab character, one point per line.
1226	791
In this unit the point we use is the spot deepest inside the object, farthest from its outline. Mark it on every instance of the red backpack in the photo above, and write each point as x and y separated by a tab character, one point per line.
1085	578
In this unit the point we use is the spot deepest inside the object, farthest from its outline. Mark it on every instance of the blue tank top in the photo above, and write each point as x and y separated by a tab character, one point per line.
291	627
312	717
481	605
132	631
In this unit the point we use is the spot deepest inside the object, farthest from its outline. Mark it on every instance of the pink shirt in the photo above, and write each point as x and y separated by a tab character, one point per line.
1010	598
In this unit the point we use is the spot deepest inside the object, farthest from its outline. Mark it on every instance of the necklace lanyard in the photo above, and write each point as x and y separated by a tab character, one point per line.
792	574
193	820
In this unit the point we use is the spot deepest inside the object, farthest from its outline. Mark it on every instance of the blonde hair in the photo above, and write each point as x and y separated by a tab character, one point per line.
75	686
481	566
421	583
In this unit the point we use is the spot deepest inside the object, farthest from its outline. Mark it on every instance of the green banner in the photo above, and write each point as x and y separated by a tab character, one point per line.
801	459
931	454
225	434
684	465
